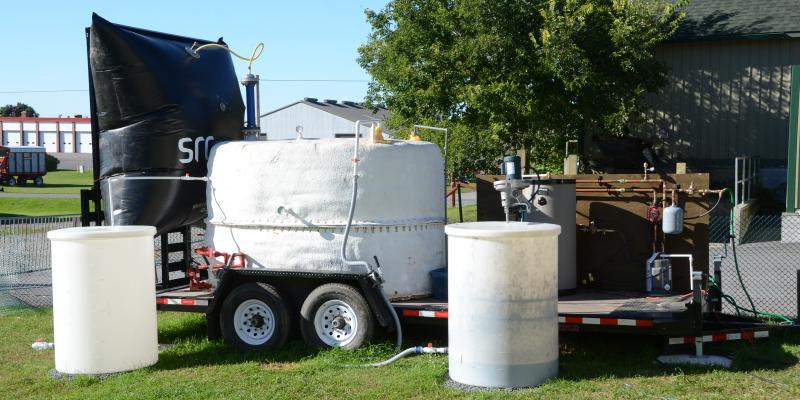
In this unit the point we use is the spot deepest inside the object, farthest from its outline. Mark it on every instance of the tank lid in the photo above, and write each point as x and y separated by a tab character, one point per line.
102	232
496	229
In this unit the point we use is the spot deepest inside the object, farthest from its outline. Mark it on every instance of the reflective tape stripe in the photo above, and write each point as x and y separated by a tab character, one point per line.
639	323
424	313
720	337
180	302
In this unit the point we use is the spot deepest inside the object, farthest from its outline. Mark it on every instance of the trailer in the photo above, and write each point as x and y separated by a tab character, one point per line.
259	305
19	164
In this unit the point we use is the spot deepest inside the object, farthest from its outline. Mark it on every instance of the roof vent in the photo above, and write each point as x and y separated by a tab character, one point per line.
349	103
329	101
311	99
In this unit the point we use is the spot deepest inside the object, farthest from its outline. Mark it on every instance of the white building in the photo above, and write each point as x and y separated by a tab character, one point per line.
56	135
318	119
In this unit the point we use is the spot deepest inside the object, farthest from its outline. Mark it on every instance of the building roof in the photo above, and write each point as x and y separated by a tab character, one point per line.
38	119
349	110
739	19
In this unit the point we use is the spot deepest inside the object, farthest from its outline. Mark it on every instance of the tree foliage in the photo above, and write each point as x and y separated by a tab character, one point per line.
508	74
11	110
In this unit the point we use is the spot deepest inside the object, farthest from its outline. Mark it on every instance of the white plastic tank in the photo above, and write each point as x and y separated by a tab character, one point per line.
672	222
285	204
555	203
503	303
104	311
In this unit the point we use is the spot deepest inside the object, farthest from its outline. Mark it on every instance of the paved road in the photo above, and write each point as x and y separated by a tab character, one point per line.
467	198
40	195
769	271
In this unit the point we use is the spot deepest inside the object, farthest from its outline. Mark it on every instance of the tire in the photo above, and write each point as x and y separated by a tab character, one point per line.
21	181
38	181
336	315
11	181
254	318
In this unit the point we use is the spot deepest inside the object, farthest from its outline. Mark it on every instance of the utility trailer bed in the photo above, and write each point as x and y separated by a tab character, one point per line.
583	311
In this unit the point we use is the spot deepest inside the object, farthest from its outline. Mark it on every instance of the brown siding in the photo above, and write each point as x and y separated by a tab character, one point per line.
724	99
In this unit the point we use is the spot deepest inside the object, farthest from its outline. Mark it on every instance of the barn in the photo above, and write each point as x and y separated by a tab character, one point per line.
318	119
732	92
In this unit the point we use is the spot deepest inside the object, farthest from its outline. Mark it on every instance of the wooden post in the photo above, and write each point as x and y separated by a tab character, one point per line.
571	165
74	139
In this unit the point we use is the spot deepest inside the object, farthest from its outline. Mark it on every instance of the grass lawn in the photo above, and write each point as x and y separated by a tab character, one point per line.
592	366
35	206
470	213
61	181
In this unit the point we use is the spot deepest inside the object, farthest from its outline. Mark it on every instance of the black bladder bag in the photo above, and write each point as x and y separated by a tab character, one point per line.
159	110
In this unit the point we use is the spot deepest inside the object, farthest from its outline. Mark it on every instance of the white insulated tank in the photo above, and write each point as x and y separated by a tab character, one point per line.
555	203
104	311
285	205
503	303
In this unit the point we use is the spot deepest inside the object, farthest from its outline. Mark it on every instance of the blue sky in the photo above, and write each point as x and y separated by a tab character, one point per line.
45	49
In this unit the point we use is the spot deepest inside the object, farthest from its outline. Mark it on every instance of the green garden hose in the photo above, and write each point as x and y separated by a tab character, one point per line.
730	299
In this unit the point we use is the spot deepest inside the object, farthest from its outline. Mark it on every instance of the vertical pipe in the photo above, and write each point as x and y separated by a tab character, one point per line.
736	181
797	311
697	303
460	211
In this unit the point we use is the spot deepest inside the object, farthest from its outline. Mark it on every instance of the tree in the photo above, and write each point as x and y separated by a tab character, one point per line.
510	74
10	110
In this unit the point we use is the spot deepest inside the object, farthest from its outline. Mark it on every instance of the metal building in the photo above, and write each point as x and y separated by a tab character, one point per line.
318	119
732	89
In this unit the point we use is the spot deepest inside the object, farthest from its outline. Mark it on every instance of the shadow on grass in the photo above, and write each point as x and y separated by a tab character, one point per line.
611	355
583	356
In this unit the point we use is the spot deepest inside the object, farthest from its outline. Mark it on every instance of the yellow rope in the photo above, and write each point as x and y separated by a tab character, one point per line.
256	52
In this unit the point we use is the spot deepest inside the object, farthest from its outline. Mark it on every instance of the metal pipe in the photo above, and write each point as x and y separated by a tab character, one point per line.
621	190
619	181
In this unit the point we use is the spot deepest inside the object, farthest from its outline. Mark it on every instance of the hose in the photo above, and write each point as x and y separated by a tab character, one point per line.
406	353
730	299
396	319
732	234
738	308
364	264
719	200
256	52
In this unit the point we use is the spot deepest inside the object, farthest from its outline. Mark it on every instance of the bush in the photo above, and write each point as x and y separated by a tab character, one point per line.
50	162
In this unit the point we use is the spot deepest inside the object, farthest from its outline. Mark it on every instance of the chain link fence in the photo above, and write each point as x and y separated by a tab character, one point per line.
25	278
767	249
768	257
25	259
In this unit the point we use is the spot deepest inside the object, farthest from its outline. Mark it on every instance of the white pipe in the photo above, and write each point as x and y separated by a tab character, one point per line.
360	263
691	266
349	224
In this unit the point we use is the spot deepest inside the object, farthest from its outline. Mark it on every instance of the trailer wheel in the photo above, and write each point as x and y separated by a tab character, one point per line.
254	317
38	181
11	181
336	315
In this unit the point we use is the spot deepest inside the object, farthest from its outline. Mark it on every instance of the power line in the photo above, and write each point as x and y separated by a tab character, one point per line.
262	80
44	91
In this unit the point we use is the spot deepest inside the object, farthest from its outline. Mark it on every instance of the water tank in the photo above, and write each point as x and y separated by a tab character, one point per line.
672	222
503	303
555	204
285	204
104	313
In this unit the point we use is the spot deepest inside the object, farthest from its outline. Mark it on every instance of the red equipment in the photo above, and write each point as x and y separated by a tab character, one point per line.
233	261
